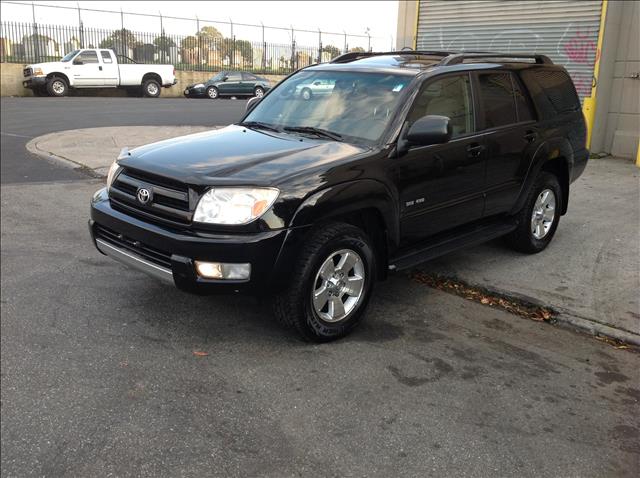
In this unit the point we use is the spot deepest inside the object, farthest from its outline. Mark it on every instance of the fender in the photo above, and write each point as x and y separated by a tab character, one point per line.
554	149
349	197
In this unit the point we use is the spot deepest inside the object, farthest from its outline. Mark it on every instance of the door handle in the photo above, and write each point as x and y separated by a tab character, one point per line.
474	150
100	68
530	136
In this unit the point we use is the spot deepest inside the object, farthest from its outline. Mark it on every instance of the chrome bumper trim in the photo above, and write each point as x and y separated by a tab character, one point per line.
135	261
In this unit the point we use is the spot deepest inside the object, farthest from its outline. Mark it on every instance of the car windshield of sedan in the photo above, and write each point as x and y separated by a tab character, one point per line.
217	77
354	105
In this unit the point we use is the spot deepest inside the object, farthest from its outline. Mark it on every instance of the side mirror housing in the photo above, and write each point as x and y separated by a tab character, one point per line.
225	78
252	103
430	129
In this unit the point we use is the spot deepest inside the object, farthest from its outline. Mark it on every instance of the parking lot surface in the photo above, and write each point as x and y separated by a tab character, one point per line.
105	371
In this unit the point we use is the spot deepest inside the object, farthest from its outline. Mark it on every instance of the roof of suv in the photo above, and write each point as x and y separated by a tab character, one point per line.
413	61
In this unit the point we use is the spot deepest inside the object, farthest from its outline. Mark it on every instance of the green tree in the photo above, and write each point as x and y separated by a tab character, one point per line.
356	49
245	48
163	43
332	50
119	40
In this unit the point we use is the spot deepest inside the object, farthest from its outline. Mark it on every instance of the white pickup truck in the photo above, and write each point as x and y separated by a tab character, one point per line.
97	68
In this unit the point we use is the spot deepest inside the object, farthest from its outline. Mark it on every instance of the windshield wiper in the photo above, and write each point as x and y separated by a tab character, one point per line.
314	130
259	125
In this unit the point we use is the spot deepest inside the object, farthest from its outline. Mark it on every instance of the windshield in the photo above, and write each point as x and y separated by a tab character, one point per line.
68	56
217	77
355	105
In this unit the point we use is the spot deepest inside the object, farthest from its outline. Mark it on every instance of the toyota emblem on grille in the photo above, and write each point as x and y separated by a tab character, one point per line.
144	196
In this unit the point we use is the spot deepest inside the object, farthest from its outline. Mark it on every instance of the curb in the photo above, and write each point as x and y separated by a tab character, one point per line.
32	147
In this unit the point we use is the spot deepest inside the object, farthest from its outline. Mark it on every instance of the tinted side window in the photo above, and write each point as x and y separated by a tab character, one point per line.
249	77
552	91
451	97
106	56
498	100
234	76
88	56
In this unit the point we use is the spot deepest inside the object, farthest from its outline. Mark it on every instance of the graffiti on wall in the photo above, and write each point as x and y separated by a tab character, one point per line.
576	48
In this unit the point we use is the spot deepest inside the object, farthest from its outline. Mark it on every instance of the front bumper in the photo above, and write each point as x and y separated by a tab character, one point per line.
35	82
191	92
169	255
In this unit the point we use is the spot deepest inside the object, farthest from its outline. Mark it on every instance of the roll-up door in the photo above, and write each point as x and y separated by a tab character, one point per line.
566	31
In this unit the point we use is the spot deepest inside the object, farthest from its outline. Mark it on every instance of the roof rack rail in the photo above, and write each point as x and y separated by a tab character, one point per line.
355	55
457	58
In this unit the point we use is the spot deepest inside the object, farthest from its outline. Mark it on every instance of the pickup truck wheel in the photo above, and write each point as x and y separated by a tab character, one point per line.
151	89
330	286
57	87
539	218
212	92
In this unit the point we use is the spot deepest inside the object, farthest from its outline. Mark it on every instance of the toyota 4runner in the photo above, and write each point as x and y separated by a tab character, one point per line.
312	198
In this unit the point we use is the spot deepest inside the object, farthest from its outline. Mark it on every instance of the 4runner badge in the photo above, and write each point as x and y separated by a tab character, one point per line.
144	195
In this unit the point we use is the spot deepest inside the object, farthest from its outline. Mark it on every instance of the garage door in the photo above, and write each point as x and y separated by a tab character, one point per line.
566	31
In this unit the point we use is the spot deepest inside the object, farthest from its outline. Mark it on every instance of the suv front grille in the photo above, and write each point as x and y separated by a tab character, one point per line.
151	254
27	72
169	200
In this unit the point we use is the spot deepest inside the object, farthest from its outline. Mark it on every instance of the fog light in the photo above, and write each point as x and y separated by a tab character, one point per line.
220	270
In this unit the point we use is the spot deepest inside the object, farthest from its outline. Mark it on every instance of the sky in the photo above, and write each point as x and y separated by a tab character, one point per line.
354	17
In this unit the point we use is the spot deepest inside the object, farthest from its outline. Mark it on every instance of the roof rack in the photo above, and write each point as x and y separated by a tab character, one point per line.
457	58
356	55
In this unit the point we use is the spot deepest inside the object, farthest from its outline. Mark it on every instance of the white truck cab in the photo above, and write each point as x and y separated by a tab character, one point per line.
97	68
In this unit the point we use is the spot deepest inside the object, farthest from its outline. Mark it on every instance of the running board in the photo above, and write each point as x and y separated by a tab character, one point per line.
449	244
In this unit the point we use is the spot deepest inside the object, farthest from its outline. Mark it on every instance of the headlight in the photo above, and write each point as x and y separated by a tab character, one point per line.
234	205
113	170
38	72
199	85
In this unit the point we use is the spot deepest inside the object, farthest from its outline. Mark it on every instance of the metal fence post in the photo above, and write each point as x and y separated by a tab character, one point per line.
345	42
163	41
36	40
80	28
264	49
199	42
319	46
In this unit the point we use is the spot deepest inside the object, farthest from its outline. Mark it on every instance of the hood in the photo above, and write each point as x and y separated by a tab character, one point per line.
236	155
49	64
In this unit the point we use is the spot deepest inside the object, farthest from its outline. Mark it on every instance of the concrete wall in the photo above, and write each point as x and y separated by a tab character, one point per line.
617	124
406	31
11	83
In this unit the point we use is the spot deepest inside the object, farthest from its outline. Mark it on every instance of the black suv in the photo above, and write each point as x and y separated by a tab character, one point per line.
310	200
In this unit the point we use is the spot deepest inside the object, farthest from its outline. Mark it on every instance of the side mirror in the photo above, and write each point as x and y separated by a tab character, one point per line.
317	83
252	103
78	61
430	129
225	78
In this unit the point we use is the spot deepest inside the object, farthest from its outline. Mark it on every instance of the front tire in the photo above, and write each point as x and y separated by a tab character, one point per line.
212	93
539	218
331	284
151	89
57	87
306	94
258	92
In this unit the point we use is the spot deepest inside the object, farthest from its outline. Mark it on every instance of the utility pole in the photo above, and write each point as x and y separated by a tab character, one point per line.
319	46
80	27
163	42
36	39
264	49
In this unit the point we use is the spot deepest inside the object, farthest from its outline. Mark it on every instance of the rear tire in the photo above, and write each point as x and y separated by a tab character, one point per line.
57	87
330	285
539	217
151	89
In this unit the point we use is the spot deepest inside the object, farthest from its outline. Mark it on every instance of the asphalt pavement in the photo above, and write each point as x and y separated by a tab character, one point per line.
107	372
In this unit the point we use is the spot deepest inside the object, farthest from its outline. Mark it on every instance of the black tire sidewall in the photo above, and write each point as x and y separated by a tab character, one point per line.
146	91
256	89
325	331
545	181
52	92
308	92
212	88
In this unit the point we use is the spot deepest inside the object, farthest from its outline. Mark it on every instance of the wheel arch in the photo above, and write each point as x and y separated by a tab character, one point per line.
151	76
554	156
62	76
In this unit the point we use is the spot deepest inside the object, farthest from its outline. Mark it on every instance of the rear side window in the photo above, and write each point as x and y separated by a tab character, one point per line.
552	91
249	77
523	104
106	56
234	76
498	99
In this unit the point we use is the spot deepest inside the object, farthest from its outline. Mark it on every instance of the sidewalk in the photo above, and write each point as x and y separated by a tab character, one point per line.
590	274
